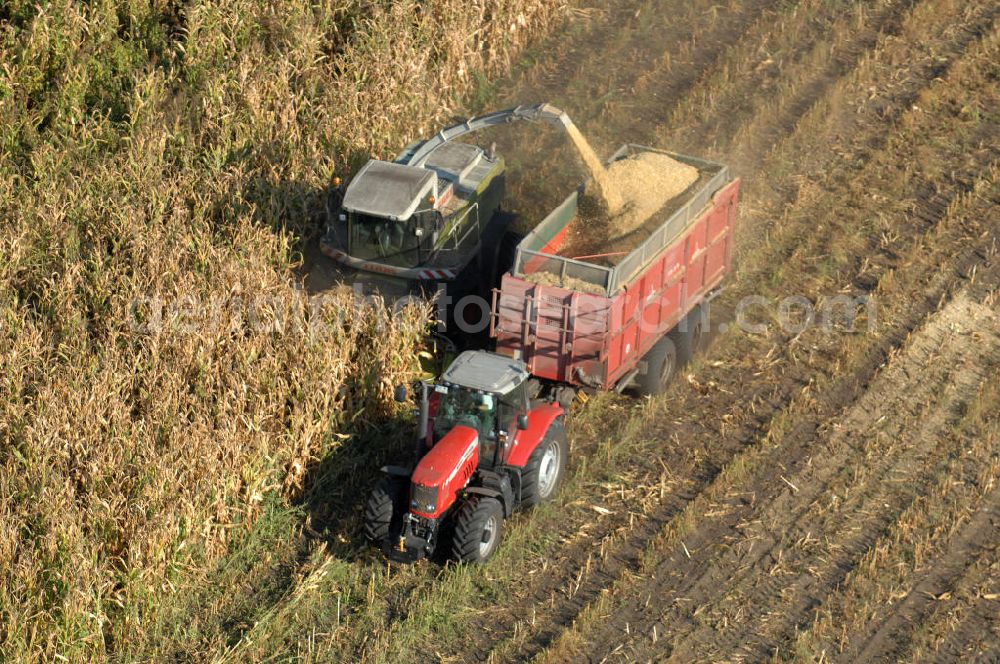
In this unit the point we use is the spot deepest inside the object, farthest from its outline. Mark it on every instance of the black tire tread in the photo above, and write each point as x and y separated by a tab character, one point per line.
379	508
649	384
687	347
469	522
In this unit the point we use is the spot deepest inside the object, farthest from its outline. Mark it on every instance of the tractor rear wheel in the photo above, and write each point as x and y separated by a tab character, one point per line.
478	529
546	466
661	364
380	509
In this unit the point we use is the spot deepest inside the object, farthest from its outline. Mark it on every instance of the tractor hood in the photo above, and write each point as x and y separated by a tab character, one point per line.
390	190
444	471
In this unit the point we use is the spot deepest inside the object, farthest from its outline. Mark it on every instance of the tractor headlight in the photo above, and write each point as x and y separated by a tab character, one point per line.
424	498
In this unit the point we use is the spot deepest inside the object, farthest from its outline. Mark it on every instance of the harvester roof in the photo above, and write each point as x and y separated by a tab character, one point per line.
387	189
484	371
455	162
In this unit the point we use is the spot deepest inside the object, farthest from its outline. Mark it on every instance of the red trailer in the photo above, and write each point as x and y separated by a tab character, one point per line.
611	326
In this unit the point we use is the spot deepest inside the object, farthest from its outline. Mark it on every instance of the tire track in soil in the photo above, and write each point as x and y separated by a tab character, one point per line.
636	609
826	48
695	56
670	508
967	259
937	544
603	61
877	102
968	642
850	529
974	544
968	626
747	86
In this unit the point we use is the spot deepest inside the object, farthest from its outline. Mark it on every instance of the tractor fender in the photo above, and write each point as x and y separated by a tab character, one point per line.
506	500
540	418
397	471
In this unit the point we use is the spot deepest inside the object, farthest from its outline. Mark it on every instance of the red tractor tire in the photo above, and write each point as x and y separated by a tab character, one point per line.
478	529
546	467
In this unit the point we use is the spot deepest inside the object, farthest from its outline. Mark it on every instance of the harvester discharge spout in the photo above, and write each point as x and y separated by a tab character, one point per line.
536	112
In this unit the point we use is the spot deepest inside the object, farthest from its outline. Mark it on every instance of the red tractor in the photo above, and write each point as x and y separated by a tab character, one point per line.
483	450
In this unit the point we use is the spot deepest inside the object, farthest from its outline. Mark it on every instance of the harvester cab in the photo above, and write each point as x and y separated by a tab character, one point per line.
431	217
482	451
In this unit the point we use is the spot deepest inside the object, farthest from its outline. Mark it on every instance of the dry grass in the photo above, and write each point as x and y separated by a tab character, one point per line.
175	154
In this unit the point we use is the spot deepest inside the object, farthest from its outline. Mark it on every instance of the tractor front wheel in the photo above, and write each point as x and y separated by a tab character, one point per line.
380	509
478	529
546	466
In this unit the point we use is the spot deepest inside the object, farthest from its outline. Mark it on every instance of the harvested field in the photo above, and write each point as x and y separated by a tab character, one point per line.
804	492
863	176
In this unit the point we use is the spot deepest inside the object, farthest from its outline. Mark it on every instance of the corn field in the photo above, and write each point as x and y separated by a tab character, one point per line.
164	376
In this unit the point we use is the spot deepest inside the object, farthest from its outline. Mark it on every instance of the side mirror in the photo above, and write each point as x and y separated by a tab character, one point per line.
399	394
522	422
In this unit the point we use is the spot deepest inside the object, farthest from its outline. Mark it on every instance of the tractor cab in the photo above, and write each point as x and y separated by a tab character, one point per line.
388	214
485	392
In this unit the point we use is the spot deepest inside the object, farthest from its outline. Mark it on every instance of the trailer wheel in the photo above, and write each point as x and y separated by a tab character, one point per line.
661	364
478	529
692	334
380	508
546	466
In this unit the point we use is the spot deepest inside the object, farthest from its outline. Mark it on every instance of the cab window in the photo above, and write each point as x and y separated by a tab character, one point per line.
512	404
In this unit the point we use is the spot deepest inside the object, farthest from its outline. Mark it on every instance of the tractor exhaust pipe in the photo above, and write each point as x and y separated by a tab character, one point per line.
424	420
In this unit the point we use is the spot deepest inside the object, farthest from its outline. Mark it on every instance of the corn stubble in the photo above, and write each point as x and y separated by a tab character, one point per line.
162	374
